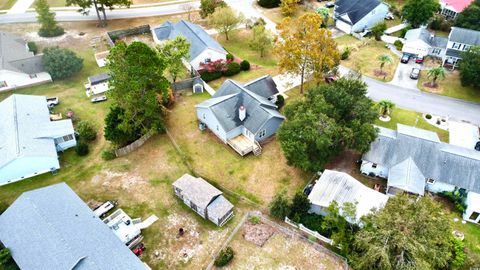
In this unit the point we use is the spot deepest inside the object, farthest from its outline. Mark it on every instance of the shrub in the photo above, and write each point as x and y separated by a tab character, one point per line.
259	21
245	65
32	46
269	3
87	131
254	220
81	149
61	63
224	257
232	69
345	53
398	44
280	101
210	76
279	207
5	256
378	30
55	32
428	116
229	57
457	197
458	258
108	154
404	31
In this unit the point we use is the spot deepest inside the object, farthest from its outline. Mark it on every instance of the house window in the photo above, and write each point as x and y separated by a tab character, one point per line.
474	216
3	84
204	116
217	127
466	47
374	165
436	51
262	133
456	45
431	181
65	138
207	60
33	76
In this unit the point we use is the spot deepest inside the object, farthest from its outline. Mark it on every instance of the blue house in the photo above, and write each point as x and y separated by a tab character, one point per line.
52	228
242	116
29	141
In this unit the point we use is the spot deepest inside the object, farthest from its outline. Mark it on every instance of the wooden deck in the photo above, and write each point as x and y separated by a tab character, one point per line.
243	145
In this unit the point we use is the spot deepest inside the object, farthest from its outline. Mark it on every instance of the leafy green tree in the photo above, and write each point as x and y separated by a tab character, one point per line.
113	131
470	67
288	7
408	233
325	14
46	18
385	107
418	12
378	29
207	7
269	3
436	73
225	19
341	222
174	51
300	205
86	130
138	87
5	256
328	120
384	59
470	17
279	206
99	6
61	63
262	39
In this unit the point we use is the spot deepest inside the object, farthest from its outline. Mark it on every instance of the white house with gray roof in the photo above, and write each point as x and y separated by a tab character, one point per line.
419	42
459	41
414	160
29	141
18	66
242	116
203	48
203	198
52	228
355	16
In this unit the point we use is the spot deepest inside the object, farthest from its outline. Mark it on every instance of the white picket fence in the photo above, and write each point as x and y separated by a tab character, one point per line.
309	232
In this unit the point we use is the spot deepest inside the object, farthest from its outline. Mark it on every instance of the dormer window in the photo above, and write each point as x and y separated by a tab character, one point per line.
430	181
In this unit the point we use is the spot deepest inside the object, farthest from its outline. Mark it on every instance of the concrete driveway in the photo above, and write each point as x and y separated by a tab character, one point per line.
463	134
402	75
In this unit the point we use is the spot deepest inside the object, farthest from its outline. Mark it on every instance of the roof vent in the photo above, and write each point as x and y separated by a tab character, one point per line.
242	113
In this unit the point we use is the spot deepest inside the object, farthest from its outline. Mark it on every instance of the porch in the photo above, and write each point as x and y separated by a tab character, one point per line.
243	145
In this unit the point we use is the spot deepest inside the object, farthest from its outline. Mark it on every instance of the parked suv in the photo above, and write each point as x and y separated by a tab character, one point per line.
405	58
415	73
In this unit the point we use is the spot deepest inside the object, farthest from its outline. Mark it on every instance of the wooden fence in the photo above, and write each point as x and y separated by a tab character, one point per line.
135	145
309	232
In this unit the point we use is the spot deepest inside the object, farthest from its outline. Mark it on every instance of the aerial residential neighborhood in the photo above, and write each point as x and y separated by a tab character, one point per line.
239	134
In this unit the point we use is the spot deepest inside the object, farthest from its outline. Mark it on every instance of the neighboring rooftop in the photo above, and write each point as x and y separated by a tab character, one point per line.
197	190
440	161
99	78
458	5
355	9
197	37
465	36
52	228
15	56
263	86
343	188
26	129
226	102
423	34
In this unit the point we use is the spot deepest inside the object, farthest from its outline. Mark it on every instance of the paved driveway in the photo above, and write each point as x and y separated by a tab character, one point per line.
402	75
463	134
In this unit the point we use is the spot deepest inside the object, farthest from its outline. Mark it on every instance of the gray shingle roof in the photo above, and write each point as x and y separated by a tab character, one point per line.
465	36
219	208
440	161
355	9
14	55
197	37
26	129
52	228
407	176
263	86
423	34
197	190
226	102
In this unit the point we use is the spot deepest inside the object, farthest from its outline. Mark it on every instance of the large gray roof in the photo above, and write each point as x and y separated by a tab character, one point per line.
26	129
226	102
197	37
99	78
219	207
355	9
465	36
440	161
197	190
263	86
406	176
423	34
15	56
52	228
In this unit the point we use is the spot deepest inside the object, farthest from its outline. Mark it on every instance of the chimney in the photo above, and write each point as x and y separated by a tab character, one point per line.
242	113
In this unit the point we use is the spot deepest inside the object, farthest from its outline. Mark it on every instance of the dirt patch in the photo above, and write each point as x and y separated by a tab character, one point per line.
257	233
433	88
125	181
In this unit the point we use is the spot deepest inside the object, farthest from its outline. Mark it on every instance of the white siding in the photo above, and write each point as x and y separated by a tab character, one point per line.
437	187
208	53
18	80
417	47
473	207
343	26
26	167
367	168
371	19
206	116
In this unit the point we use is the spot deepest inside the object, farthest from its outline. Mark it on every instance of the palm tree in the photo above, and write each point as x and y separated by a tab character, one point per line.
384	59
435	73
385	107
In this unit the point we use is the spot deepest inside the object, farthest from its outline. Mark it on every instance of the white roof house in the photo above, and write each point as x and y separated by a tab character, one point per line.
29	141
342	188
52	228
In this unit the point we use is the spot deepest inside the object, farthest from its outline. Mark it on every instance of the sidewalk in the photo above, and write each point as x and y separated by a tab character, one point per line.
396	28
20	6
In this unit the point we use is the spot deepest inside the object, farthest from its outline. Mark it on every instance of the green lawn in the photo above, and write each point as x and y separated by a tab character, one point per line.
450	86
6	4
411	118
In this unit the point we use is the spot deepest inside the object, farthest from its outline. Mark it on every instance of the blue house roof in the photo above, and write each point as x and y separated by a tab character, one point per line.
26	129
197	37
52	228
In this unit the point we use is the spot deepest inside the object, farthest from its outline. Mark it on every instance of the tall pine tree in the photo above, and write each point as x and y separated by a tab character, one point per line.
49	27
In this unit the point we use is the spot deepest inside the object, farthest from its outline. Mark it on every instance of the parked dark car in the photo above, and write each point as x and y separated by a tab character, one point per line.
419	60
477	146
330	4
415	73
405	58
